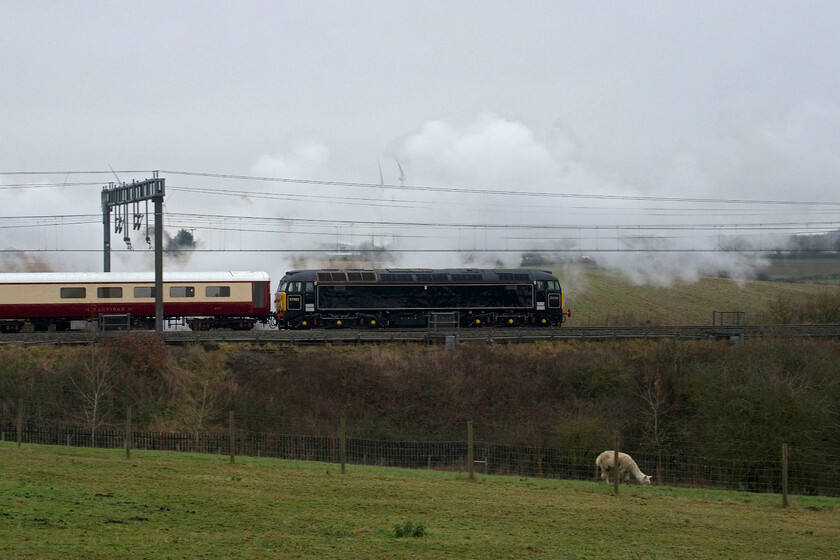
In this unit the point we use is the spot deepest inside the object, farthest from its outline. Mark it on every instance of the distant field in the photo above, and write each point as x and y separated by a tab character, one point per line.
60	502
599	297
821	271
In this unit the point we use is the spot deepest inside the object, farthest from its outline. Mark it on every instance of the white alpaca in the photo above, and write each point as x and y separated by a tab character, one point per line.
626	467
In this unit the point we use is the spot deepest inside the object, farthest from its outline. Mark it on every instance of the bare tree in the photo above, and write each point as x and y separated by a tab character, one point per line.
92	379
657	403
206	390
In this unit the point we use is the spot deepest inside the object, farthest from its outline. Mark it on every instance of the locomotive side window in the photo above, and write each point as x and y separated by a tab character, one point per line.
109	292
73	293
217	291
144	291
181	291
309	287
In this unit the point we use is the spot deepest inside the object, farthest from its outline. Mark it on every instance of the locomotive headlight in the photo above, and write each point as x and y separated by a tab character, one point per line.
338	322
510	321
373	321
478	321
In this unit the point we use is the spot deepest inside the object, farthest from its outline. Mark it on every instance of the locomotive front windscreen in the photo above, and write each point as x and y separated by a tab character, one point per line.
410	296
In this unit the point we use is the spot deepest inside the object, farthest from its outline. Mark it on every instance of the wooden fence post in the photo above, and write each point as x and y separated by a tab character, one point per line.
784	475
470	451
342	443
20	423
615	466
128	433
232	439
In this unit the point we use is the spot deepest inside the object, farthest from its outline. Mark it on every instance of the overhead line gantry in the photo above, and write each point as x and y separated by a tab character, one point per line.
124	197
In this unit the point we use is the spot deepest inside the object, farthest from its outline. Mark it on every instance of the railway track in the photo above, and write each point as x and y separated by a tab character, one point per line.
490	335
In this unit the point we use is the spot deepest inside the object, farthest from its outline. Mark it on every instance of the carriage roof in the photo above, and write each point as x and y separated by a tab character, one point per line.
129	277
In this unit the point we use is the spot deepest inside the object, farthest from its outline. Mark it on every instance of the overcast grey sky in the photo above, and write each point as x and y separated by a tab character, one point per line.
734	100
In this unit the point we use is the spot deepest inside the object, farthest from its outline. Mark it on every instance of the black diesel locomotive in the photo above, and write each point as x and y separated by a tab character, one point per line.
407	297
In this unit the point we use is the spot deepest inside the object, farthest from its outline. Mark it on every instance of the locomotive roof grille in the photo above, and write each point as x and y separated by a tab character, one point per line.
332	276
466	277
513	276
432	277
396	277
348	276
409	275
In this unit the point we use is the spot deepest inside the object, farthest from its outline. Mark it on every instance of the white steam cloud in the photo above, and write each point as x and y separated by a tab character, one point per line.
614	224
305	159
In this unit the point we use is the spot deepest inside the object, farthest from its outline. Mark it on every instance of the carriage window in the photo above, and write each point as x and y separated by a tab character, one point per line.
109	292
181	291
144	292
73	293
217	291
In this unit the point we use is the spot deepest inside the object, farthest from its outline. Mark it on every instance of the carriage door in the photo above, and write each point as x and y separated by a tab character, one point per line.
540	295
294	298
555	298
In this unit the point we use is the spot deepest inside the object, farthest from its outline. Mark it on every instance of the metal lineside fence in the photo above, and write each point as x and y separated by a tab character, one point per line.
750	474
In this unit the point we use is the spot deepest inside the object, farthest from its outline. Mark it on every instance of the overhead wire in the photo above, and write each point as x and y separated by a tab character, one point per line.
428	188
651	206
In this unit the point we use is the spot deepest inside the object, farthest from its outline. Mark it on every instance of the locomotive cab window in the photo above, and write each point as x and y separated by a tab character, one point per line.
181	291
144	291
109	292
217	291
73	293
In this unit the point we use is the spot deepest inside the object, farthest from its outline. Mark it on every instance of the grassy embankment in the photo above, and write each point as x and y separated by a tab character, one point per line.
72	503
598	297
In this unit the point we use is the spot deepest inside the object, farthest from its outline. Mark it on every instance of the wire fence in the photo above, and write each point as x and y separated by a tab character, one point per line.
762	474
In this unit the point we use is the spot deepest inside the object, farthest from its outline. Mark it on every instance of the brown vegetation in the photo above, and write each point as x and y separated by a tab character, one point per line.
688	398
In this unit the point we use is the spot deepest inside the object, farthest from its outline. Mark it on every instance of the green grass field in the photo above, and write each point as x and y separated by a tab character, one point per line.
78	503
599	297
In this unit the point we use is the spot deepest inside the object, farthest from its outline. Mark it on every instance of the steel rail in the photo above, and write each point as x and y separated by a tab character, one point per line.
425	336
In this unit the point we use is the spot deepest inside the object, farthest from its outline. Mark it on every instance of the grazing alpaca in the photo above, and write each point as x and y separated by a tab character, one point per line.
626	467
